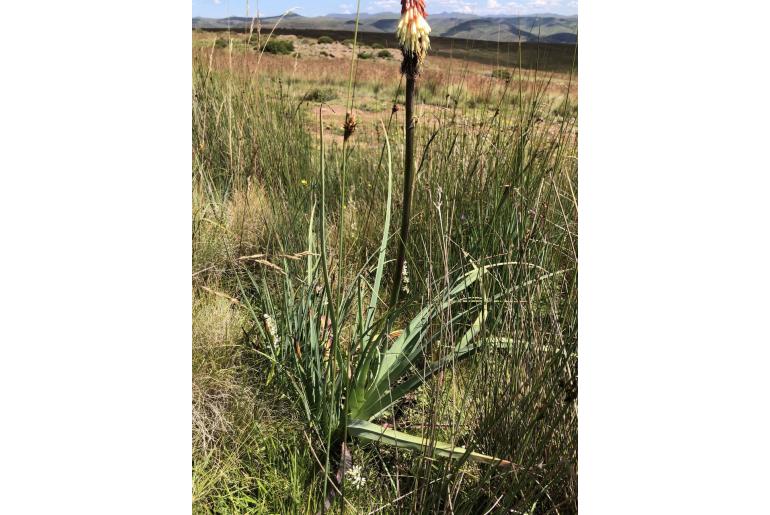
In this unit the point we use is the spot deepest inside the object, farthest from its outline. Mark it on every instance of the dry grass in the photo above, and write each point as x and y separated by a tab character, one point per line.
239	465
325	70
237	227
249	218
444	85
209	248
216	383
475	77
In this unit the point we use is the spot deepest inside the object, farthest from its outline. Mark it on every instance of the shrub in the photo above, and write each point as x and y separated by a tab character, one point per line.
385	54
279	46
376	46
320	95
325	40
502	73
222	43
347	42
365	55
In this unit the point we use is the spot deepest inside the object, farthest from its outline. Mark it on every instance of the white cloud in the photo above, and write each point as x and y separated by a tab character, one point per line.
434	6
553	5
462	6
496	7
483	7
387	5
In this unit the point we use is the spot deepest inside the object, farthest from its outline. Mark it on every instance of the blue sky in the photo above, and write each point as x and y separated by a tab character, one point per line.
224	8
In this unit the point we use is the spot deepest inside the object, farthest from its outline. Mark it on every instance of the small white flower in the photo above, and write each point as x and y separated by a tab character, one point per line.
355	477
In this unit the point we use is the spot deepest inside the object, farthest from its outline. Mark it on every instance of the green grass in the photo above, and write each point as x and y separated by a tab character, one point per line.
496	184
278	46
320	95
502	73
237	442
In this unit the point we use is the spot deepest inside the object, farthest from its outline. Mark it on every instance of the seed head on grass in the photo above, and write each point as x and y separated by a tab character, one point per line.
271	329
350	125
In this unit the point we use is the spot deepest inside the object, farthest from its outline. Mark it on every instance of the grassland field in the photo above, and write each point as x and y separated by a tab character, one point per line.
543	56
287	222
317	72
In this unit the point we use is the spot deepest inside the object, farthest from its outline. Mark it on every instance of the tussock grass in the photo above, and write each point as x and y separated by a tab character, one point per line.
238	443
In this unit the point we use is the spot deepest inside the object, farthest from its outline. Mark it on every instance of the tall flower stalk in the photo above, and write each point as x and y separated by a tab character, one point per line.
413	35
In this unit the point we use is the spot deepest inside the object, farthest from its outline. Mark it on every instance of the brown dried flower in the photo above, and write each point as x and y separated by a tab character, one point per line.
350	125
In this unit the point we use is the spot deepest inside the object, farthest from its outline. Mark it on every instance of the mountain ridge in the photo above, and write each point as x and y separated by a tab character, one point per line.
545	28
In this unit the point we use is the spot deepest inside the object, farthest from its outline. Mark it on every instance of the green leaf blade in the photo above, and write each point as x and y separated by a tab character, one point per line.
372	432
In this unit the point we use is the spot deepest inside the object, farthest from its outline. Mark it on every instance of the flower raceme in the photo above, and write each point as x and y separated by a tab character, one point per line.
413	30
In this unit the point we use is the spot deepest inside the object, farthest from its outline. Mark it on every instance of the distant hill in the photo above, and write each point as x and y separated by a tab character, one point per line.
546	28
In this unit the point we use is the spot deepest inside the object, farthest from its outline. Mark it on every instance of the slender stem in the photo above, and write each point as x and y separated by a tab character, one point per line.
343	194
328	291
408	179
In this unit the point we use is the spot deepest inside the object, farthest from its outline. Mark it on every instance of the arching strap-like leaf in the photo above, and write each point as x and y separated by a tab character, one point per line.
375	433
383	248
376	406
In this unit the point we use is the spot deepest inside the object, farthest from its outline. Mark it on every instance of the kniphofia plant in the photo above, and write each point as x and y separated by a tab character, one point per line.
344	364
